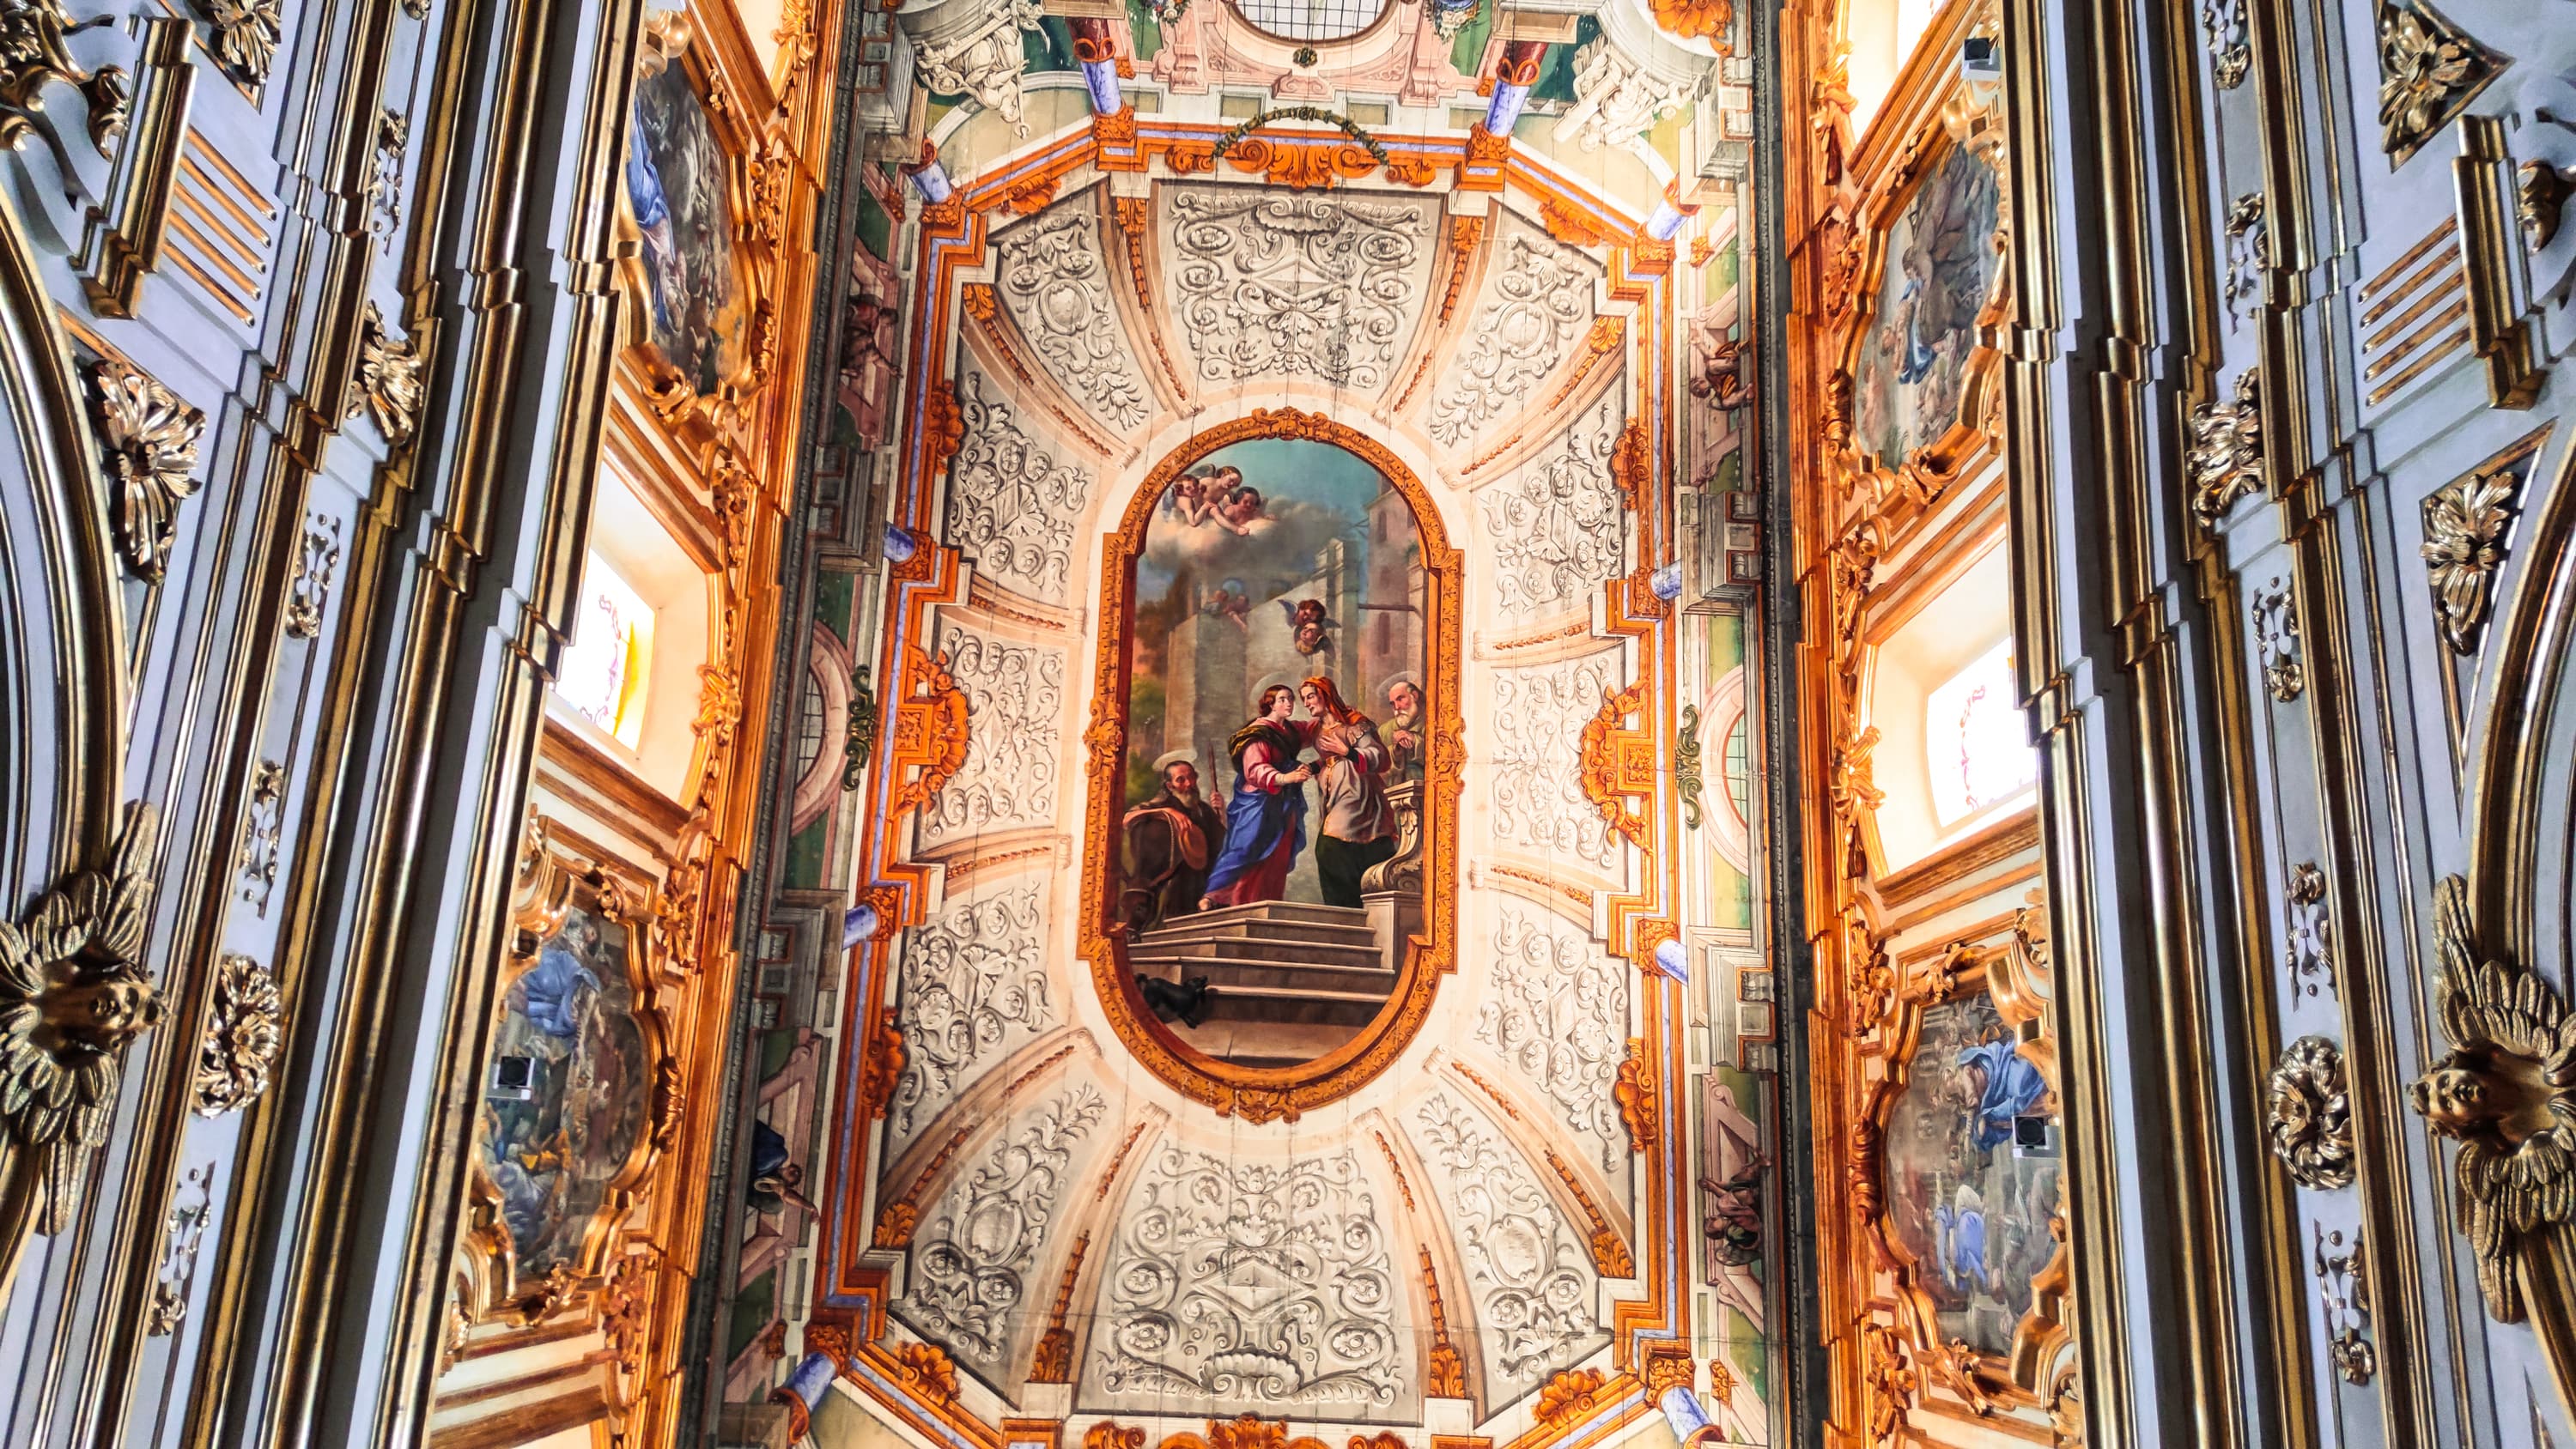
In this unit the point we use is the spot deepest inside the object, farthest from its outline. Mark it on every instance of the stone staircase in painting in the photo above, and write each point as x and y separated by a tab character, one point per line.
1292	980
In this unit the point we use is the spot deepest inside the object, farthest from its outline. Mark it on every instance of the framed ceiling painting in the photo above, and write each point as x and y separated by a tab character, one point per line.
575	1096
1913	399
1962	1146
700	197
1274	765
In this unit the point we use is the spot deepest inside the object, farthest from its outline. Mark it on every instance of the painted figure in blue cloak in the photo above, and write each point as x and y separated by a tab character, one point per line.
662	263
1917	362
2002	1084
549	993
1963	1262
1265	823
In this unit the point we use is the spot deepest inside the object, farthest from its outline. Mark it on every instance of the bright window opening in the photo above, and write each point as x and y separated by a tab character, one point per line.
609	663
1975	740
1311	19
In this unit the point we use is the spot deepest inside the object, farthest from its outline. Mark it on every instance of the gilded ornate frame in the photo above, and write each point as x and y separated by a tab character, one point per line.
2016	976
1965	122
1275	1093
755	202
552	881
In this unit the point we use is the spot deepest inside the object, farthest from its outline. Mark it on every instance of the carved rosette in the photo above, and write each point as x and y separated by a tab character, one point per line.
151	439
243	1034
72	998
2310	1114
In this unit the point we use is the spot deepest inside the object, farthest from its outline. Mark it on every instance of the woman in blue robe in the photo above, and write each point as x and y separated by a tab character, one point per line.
2004	1085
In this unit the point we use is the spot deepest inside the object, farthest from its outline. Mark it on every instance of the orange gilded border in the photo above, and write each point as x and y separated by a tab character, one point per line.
1276	1093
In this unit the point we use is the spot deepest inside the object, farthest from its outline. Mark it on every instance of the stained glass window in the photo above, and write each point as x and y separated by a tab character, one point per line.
1979	748
606	666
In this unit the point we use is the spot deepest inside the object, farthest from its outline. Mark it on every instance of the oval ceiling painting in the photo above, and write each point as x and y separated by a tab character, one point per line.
1272	827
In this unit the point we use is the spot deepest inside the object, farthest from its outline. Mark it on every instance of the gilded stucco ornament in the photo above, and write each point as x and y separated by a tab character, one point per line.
2507	1092
2342	1292
33	55
72	997
242	1037
2464	528
2429	70
388	378
2310	1112
2227	450
246	35
2222	22
2540	200
151	459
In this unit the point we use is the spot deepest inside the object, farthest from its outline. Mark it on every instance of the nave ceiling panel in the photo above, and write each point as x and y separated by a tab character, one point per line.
1478	1226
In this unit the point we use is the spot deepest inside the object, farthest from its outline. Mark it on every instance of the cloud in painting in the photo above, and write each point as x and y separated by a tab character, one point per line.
1278	553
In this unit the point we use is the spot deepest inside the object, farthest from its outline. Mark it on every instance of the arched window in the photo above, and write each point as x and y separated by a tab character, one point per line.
608	666
1977	750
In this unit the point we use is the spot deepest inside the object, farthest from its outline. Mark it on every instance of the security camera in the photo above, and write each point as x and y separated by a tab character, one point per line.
1979	60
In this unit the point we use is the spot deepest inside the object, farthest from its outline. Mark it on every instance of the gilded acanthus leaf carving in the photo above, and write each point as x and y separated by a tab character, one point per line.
2464	529
246	35
151	439
242	1038
2227	450
2230	56
2429	70
72	997
2507	1092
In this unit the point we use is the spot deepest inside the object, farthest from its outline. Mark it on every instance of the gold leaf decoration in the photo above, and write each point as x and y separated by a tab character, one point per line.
388	379
2540	200
2310	1114
2504	1093
2429	71
72	997
2227	450
151	439
2464	528
246	36
242	1038
33	55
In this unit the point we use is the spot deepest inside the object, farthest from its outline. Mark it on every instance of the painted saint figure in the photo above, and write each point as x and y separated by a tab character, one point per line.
1265	822
1403	729
1998	1084
1170	840
1358	828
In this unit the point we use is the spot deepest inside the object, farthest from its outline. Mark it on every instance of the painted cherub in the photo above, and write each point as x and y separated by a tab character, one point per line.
1191	499
1306	625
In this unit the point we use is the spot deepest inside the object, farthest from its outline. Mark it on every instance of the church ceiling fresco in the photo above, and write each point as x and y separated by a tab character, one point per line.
1239	458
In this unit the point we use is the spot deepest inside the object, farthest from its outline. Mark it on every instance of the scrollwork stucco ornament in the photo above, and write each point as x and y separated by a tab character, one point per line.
242	1038
2310	1114
33	55
2506	1092
151	459
72	998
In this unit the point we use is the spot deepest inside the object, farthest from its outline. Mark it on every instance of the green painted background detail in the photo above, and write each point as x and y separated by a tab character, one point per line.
1728	475
807	851
752	1308
776	1049
1468	50
1730	891
833	593
1144	30
876	228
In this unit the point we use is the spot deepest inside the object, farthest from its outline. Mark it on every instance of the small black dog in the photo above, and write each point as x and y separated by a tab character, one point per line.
1186	1002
